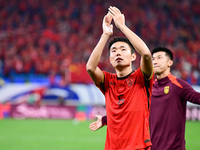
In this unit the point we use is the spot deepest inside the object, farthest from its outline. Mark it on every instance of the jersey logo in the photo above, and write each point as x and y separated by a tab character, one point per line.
166	90
129	82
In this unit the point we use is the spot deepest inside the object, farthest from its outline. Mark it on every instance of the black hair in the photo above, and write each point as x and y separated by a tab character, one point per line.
121	39
163	49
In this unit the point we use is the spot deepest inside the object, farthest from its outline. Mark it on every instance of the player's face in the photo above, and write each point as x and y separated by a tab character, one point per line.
120	55
161	62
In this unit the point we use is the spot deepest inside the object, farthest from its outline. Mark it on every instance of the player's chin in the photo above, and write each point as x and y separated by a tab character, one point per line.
118	66
157	72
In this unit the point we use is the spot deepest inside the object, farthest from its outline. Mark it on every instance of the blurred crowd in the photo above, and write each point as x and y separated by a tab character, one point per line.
44	37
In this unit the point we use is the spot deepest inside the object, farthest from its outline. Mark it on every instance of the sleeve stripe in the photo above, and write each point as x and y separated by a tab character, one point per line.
174	81
145	75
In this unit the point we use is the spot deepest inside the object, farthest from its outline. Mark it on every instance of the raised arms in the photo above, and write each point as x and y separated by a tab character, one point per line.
139	45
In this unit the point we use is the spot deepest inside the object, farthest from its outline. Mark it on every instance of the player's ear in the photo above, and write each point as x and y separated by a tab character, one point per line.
170	63
133	57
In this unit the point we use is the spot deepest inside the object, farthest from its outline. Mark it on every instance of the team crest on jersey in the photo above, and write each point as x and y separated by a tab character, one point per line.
129	82
166	90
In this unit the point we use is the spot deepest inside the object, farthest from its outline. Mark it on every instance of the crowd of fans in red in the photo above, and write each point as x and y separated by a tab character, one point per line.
44	37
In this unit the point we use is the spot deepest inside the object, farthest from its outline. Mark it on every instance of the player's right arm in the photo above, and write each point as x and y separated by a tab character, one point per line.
94	71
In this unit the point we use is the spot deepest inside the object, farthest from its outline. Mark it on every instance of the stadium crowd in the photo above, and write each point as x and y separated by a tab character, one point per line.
44	37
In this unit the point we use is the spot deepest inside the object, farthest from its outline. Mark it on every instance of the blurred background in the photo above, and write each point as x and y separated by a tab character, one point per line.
44	47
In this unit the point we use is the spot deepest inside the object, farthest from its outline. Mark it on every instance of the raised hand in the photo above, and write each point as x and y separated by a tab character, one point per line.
107	26
117	16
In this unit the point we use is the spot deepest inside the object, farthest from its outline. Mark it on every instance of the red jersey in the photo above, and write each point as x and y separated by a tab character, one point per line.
127	107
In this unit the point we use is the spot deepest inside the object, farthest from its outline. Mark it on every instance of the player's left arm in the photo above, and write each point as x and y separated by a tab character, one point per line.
189	94
139	45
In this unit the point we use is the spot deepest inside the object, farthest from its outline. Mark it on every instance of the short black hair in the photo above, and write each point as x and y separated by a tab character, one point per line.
163	49
121	39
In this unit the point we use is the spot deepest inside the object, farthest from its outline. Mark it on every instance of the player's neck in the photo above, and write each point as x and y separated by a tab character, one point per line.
163	75
123	72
